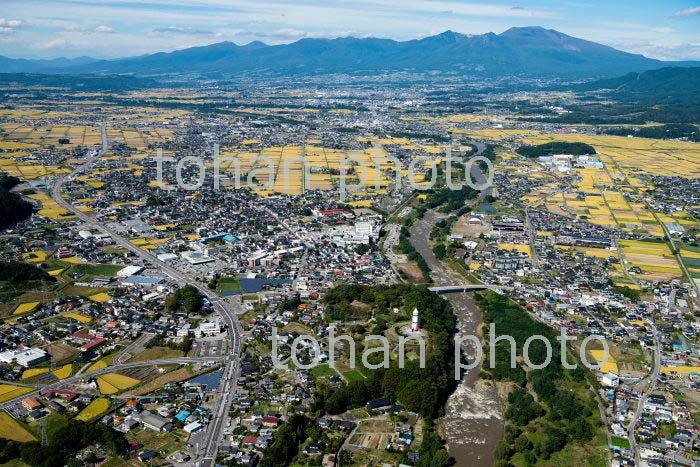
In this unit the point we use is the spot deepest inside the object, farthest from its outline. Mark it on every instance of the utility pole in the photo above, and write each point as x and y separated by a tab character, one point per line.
44	436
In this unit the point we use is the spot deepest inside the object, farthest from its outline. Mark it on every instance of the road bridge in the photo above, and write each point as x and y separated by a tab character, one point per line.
465	288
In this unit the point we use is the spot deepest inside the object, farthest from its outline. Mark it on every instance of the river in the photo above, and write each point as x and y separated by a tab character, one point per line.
473	422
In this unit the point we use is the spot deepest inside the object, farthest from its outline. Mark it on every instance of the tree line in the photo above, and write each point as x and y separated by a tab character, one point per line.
13	208
561	414
556	147
669	131
187	299
70	438
423	390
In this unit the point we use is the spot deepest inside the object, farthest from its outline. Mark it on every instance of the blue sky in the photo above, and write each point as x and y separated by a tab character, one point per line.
668	29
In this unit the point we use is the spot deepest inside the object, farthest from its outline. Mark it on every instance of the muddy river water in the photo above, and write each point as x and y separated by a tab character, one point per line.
473	421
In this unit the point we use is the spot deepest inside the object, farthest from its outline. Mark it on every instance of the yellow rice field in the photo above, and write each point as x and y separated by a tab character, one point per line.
9	391
94	410
64	372
112	383
11	429
78	317
26	308
31	372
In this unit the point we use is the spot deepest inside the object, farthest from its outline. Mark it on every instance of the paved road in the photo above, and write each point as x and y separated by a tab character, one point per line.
110	369
228	311
653	378
135	347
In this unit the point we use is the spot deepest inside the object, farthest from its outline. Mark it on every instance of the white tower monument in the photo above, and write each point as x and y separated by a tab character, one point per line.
414	321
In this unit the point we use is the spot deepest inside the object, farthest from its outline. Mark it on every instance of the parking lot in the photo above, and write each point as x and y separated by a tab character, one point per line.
211	347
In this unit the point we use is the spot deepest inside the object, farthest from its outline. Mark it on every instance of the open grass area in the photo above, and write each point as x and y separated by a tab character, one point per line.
353	375
157	353
175	376
62	354
97	269
323	370
621	442
82	290
229	284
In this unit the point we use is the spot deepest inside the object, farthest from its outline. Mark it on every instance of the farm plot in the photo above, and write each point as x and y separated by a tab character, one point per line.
9	391
78	317
45	378
655	259
638	155
31	372
141	374
281	170
64	372
94	410
113	383
12	429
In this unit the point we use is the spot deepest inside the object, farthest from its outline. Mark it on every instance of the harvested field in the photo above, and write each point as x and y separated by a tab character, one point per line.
178	375
12	429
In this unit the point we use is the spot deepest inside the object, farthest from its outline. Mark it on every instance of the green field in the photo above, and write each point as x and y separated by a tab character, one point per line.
97	269
228	284
353	375
621	442
323	370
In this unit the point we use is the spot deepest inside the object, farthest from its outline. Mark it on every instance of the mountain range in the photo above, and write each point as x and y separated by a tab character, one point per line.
526	51
663	85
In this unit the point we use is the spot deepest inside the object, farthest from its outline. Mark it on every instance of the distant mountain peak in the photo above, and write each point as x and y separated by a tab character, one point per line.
535	32
531	51
449	36
525	30
255	45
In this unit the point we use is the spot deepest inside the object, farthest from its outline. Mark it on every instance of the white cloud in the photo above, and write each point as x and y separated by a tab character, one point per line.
12	23
181	30
104	28
664	30
9	25
54	44
694	11
670	51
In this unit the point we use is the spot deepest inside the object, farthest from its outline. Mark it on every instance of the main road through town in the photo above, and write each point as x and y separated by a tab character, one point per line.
228	311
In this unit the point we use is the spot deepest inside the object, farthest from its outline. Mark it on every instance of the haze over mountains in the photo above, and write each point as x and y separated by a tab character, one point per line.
527	52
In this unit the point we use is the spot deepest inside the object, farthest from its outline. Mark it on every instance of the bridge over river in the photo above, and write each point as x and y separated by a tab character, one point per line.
465	288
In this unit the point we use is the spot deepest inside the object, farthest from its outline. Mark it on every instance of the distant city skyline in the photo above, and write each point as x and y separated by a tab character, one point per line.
121	28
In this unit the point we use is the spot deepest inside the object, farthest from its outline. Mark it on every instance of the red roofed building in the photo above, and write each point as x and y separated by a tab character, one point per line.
250	440
90	342
91	345
30	403
68	395
271	421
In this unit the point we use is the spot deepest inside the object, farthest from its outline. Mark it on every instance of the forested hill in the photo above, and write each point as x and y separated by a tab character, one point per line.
552	415
77	82
661	85
13	208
